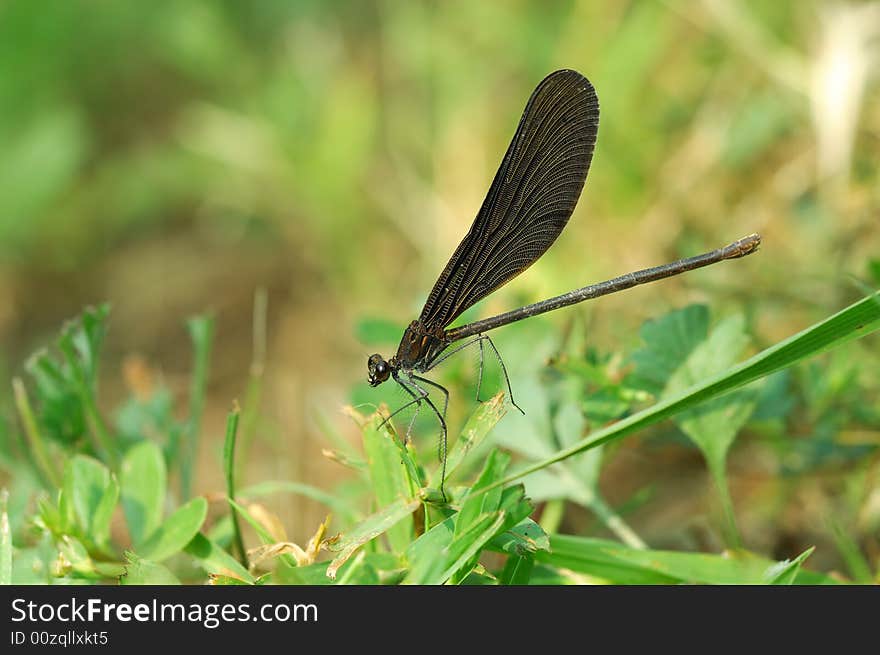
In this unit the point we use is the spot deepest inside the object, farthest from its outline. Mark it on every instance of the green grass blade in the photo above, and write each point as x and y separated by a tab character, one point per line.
858	565
43	463
393	475
476	504
464	549
250	414
856	321
265	536
423	557
229	469
784	573
201	331
615	563
474	433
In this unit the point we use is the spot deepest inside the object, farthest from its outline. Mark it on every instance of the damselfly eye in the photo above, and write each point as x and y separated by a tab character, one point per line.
378	369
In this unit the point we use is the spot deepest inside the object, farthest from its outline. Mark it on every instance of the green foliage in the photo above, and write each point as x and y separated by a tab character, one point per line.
102	470
143	481
483	530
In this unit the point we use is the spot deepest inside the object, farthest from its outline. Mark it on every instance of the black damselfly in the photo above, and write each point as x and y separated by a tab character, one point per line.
529	203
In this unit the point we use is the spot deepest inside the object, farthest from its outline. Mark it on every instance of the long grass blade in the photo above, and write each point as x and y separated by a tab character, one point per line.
856	321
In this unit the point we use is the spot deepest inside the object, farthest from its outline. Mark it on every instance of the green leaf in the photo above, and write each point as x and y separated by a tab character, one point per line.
425	555
80	343
464	549
785	573
525	538
857	320
100	528
176	531
370	528
359	572
518	570
265	536
229	471
484	418
476	504
143	479
65	386
214	559
669	341
74	557
439	555
392	474
140	571
713	425
86	336
91	493
608	561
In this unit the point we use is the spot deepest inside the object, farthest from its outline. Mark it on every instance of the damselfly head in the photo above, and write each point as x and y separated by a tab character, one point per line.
378	370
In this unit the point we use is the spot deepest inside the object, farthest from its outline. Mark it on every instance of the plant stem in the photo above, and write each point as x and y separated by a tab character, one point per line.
201	331
38	446
229	467
614	522
254	392
719	475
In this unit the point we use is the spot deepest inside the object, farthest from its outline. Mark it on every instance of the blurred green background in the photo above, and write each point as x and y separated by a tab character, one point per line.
174	157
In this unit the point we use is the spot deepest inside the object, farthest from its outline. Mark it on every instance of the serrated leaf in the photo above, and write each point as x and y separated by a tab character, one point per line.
176	531
859	319
714	425
143	480
668	341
